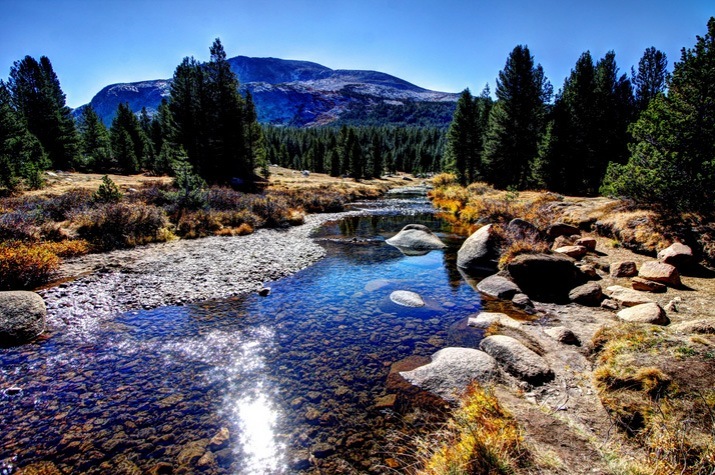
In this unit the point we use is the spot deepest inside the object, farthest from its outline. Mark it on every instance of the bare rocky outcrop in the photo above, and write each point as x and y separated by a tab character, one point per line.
624	269
22	317
627	297
577	252
484	320
589	294
645	285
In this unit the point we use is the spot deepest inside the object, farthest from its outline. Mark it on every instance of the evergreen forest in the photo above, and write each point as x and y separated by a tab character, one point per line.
646	134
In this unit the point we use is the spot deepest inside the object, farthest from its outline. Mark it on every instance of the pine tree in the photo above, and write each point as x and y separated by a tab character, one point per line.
463	149
517	121
37	96
672	160
128	141
96	145
21	154
378	159
650	80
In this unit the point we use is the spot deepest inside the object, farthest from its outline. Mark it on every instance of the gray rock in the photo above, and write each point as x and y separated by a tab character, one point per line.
416	237
563	335
627	297
523	301
645	285
499	287
545	277
677	254
479	253
660	272
407	298
22	317
644	313
484	320
609	304
624	269
589	294
517	359
521	229
452	370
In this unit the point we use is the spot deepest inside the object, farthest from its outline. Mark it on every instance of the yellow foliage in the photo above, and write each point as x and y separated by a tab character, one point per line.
482	438
26	266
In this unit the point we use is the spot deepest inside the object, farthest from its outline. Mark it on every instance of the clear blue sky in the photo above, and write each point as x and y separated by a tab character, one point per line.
444	45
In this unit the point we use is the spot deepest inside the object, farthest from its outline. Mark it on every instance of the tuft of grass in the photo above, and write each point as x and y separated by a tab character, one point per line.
663	408
122	225
481	438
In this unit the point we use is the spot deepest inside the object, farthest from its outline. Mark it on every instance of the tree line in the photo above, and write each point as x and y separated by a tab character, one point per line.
649	137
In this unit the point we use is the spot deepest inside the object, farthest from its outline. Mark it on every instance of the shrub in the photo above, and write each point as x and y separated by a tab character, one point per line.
64	206
121	225
26	266
108	191
443	180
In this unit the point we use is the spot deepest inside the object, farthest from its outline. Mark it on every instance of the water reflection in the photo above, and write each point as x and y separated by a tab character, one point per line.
256	418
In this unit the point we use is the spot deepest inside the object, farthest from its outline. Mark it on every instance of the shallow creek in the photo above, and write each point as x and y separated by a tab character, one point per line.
297	380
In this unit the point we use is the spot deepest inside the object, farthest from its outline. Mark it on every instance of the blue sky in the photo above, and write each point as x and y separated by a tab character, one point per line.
444	45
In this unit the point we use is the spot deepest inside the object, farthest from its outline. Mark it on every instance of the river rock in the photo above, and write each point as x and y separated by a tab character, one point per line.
499	287
484	320
220	439
517	359
644	313
22	317
545	277
523	301
577	252
452	370
562	229
627	297
479	253
624	269
645	285
677	254
521	229
417	237
563	335
660	272
587	242
589	294
407	298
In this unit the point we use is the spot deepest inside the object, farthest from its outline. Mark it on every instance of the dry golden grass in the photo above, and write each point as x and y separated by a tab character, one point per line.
481	438
658	388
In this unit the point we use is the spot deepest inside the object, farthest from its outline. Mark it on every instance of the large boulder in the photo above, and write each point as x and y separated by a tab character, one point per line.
484	320
416	237
627	297
587	242
480	252
517	359
545	277
452	370
644	313
577	252
589	294
499	287
521	229
660	272
677	254
22	317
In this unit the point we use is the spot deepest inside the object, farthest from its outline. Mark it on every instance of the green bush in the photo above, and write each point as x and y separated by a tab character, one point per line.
121	225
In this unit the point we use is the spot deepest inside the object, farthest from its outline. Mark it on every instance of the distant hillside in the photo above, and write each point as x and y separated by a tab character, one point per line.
304	94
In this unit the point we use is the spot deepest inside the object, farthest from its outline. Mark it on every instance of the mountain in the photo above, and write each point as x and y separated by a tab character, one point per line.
304	94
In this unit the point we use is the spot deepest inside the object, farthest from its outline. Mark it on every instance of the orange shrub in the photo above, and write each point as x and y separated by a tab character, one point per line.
26	266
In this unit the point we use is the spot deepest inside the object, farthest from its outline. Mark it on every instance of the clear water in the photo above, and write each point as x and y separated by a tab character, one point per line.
298	378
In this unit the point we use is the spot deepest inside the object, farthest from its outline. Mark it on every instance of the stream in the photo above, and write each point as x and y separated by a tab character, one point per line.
295	382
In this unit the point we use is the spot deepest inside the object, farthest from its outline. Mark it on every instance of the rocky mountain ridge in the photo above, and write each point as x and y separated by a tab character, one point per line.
304	94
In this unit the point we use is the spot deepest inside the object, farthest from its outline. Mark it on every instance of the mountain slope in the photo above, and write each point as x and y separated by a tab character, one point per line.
302	93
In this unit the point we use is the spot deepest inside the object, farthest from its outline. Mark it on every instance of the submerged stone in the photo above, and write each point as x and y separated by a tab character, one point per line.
407	298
